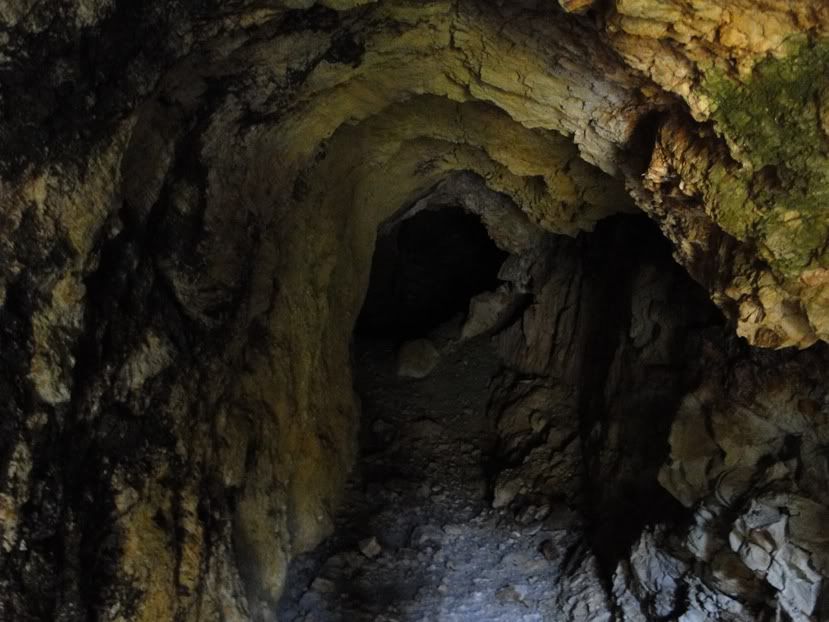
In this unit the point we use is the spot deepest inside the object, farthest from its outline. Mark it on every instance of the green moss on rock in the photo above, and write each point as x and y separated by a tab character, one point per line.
773	122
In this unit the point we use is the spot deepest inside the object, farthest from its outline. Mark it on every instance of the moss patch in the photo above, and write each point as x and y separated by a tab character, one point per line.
773	122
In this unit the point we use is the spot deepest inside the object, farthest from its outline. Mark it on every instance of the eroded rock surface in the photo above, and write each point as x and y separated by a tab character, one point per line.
190	194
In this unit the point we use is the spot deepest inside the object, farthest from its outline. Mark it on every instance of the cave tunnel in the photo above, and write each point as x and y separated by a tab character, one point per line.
414	310
488	466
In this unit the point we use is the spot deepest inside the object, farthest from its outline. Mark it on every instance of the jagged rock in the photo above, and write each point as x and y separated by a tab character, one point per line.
776	546
584	597
649	584
489	311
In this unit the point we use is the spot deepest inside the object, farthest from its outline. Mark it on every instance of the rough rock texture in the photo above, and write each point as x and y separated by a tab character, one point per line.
642	463
189	197
609	410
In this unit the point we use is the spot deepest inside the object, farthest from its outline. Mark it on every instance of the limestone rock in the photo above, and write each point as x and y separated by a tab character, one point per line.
576	6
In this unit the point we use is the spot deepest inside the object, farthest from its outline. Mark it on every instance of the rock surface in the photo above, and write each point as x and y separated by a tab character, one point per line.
190	193
489	312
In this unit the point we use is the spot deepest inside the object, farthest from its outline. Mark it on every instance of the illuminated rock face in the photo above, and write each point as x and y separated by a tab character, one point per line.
189	198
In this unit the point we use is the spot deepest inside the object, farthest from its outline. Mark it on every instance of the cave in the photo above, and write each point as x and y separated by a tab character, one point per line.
477	479
482	473
414	310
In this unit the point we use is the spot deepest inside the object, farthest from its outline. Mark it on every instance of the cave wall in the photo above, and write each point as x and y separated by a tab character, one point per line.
687	461
189	194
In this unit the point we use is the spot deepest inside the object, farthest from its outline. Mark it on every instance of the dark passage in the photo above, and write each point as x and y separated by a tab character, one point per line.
506	483
417	538
425	270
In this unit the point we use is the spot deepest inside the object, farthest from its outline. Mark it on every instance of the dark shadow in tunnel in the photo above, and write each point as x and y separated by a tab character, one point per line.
639	322
635	372
425	270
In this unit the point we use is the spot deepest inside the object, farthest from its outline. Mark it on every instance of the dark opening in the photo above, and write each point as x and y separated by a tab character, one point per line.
629	384
424	272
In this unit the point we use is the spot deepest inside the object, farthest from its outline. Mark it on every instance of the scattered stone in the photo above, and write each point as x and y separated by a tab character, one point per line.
323	586
453	530
370	547
383	431
506	489
511	593
515	558
417	359
529	515
426	534
532	529
425	429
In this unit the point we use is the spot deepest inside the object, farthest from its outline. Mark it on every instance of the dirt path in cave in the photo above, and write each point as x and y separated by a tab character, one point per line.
420	489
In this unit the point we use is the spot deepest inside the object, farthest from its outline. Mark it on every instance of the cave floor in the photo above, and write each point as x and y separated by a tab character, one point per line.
420	489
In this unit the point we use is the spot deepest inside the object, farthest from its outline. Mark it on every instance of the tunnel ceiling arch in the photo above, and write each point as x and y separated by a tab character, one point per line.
275	82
